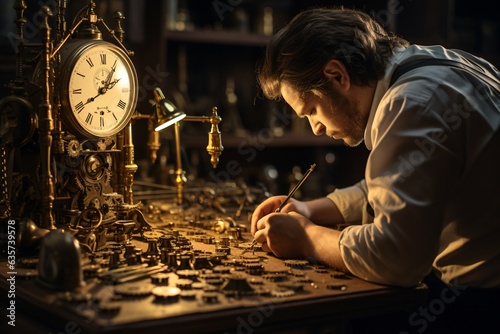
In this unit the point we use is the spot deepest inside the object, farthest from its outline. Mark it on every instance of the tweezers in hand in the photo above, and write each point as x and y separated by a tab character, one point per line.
282	205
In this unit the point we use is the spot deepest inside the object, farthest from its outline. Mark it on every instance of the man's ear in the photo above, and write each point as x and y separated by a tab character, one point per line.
337	74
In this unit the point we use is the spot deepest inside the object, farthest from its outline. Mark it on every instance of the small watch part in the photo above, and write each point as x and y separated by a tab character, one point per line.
109	307
297	273
214	281
250	259
134	289
237	284
169	293
184	284
276	271
188	273
76	297
223	249
151	235
263	292
198	285
201	262
340	275
210	297
281	293
184	262
254	268
296	263
152	247
188	294
221	270
160	278
275	277
245	245
211	288
256	281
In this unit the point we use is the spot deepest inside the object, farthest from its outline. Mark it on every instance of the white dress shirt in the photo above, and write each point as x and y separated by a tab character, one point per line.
432	179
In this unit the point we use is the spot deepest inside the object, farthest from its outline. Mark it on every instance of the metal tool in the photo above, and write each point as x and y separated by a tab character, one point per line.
282	205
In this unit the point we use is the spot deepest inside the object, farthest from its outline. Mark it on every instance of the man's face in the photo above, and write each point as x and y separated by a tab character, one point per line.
335	115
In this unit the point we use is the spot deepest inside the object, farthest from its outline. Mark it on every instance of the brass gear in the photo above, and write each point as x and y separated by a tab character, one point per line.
95	168
74	148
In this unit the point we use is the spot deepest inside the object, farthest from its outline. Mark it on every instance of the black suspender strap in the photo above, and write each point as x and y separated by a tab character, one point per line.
400	70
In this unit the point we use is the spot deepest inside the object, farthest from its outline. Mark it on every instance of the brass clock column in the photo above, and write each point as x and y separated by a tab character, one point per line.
46	127
124	142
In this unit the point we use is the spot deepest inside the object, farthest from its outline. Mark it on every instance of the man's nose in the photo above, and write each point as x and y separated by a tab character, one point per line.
317	127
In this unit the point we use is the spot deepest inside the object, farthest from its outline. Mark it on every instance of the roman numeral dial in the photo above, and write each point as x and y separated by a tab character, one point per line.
101	86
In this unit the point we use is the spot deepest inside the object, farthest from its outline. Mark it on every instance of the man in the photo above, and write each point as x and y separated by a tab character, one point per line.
430	200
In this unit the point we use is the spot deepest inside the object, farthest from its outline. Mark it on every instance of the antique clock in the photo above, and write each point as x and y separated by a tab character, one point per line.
98	88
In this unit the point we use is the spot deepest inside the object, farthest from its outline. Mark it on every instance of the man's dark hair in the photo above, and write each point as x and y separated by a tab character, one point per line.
298	53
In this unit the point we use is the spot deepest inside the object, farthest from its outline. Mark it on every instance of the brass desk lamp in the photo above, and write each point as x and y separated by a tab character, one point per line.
167	115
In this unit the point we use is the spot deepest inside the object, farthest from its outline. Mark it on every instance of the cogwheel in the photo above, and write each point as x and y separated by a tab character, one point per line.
166	292
296	263
95	168
105	144
152	234
73	147
281	293
79	183
93	197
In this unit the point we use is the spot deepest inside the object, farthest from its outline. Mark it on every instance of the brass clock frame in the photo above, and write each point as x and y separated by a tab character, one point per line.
57	186
71	55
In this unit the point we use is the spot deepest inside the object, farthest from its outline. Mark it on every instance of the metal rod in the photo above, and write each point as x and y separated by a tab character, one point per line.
140	274
297	186
292	192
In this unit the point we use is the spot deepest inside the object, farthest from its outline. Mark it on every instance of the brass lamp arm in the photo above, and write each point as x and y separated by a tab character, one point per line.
214	147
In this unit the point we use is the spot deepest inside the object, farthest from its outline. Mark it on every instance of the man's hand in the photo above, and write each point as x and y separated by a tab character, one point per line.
284	234
271	204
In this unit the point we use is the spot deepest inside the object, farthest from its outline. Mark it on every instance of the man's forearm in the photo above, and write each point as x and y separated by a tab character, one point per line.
324	246
324	212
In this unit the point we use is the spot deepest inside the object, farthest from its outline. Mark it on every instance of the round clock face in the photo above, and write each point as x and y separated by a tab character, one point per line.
101	90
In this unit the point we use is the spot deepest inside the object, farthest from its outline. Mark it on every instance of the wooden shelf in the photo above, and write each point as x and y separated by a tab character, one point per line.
218	37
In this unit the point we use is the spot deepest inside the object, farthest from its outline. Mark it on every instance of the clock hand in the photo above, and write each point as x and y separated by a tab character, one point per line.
100	91
110	75
112	84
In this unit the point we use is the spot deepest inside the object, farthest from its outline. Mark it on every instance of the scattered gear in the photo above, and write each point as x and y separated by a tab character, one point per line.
296	263
169	293
282	293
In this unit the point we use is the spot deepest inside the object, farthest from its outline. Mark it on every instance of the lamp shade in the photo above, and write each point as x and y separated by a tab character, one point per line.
167	113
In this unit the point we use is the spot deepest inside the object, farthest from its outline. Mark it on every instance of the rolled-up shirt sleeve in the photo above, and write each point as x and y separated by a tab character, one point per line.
351	202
